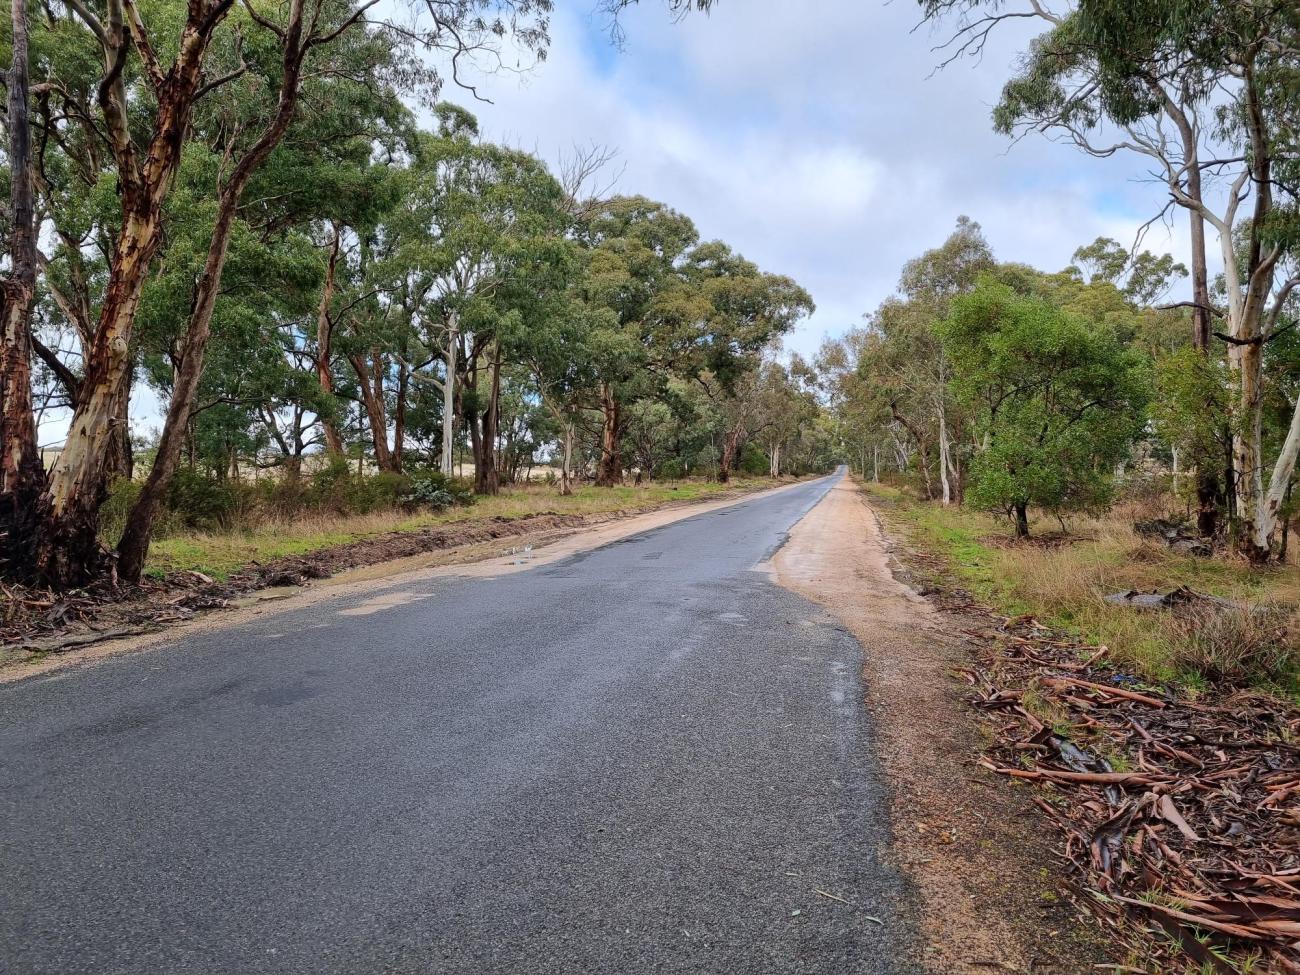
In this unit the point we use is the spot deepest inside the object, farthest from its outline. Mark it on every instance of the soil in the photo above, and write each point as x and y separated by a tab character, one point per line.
990	891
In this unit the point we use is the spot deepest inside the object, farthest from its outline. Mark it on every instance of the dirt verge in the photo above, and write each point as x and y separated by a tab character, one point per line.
989	891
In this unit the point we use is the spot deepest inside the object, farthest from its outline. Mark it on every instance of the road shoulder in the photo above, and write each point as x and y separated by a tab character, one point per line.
989	890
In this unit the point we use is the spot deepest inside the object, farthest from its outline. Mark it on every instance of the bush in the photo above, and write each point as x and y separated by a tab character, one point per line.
339	489
435	490
754	460
383	490
670	470
1238	646
198	501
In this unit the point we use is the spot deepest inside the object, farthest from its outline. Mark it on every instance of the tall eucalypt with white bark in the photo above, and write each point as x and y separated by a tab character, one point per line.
1206	90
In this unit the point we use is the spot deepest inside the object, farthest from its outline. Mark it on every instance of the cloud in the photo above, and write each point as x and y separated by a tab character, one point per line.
820	143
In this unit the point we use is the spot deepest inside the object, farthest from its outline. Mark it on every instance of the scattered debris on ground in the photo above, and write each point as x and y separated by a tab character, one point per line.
1181	598
1180	816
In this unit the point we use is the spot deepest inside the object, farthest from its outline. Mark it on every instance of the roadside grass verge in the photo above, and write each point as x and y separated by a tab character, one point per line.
220	553
1063	579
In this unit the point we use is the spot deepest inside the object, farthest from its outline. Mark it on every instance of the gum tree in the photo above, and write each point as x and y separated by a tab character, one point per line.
1057	401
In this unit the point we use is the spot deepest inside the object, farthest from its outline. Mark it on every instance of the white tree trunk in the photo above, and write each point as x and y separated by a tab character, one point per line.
449	394
1269	504
566	483
943	455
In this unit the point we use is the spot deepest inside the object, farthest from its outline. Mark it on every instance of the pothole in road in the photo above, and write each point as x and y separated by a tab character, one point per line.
385	601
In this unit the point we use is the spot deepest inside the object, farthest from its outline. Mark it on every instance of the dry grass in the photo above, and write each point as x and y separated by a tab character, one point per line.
1065	585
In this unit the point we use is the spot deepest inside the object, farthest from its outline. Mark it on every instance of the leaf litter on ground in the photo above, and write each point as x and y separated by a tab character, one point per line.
1180	817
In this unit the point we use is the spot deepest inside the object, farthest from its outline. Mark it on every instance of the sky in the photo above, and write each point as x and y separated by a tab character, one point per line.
821	144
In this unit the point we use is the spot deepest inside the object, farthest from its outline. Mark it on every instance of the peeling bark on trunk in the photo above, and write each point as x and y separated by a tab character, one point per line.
611	459
68	550
566	465
486	476
22	475
370	381
730	448
134	545
324	341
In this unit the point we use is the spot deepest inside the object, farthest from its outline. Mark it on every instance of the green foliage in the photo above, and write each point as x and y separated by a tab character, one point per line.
1057	400
436	491
339	489
1192	407
1142	277
196	500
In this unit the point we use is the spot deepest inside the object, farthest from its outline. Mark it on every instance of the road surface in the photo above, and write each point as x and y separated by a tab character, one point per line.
646	757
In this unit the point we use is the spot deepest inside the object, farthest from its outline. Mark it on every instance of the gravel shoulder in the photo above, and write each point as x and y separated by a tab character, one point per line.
990	893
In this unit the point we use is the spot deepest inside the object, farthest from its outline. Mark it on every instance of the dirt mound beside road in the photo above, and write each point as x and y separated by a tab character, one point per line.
39	621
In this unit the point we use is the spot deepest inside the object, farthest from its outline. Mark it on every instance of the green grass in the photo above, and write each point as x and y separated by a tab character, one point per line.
220	554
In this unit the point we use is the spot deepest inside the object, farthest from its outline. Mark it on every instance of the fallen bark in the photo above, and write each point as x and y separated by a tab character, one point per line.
1190	850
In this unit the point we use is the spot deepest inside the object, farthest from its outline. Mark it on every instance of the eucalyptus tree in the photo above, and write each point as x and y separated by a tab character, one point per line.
480	242
563	363
309	50
21	470
911	363
678	309
637	247
1057	400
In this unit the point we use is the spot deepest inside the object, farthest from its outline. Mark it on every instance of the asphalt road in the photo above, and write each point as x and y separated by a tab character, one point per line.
647	757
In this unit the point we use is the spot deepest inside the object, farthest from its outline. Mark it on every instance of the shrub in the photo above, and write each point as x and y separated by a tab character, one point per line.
195	500
329	487
379	491
754	460
670	470
433	489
